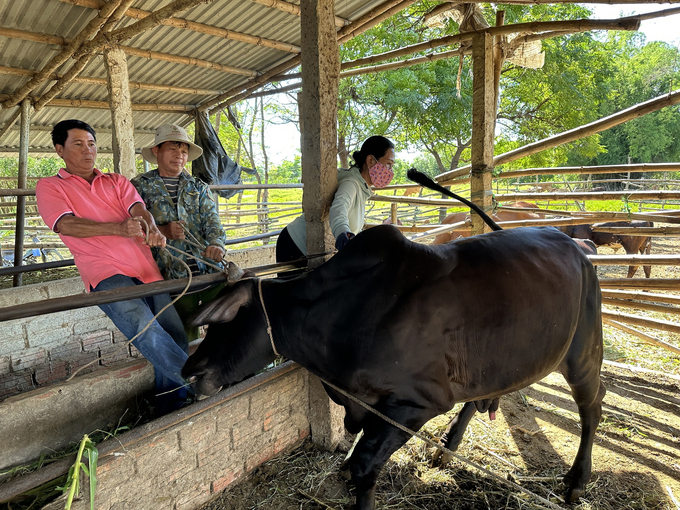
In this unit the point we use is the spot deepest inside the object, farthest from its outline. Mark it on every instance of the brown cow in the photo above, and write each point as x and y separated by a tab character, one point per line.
632	244
499	216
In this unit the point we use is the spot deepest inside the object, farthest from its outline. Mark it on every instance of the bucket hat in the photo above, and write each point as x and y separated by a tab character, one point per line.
171	133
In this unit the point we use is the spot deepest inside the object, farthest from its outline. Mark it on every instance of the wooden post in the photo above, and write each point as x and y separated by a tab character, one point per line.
21	184
318	118
483	121
121	112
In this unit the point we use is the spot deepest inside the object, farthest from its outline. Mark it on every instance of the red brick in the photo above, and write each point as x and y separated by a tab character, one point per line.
196	498
60	369
42	373
5	365
15	383
82	360
27	360
113	354
95	341
222	483
66	351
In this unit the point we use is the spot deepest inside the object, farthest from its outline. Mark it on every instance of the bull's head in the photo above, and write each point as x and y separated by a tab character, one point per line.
236	345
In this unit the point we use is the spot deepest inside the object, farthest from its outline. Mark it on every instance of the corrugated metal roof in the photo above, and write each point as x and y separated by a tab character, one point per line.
37	26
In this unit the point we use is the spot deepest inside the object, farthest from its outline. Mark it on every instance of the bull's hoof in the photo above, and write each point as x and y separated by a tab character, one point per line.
440	458
574	489
572	495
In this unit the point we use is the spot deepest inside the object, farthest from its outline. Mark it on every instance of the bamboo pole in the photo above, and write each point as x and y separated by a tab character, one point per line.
592	128
91	28
21	183
294	9
633	260
659	324
197	27
240	92
572	26
10	122
641	296
190	61
142	107
640	231
63	82
591	195
644	336
641	283
352	30
145	24
623	303
603	169
14	71
157	55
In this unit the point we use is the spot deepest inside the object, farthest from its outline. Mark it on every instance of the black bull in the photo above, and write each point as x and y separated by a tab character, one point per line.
413	329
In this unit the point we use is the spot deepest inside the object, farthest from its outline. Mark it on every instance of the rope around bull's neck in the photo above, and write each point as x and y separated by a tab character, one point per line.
403	428
266	316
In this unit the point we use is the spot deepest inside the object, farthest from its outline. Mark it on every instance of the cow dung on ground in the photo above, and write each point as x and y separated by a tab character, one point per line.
636	457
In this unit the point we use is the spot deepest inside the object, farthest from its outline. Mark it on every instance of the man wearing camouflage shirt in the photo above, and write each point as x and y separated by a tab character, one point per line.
177	202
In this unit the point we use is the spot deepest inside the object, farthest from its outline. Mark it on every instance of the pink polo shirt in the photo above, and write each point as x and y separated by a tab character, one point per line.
108	199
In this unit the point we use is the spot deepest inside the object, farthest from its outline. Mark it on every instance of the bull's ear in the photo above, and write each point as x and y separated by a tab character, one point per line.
224	308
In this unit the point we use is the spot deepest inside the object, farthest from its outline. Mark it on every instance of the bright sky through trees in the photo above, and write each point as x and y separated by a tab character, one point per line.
283	141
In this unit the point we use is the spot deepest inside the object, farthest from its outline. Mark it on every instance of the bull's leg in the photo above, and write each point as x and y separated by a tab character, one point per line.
380	440
453	434
647	250
589	401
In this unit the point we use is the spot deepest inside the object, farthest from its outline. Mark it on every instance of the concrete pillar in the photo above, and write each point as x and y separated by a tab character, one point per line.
121	112
318	121
21	184
483	122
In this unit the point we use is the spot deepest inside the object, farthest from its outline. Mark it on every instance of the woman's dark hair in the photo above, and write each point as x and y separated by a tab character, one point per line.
375	146
60	131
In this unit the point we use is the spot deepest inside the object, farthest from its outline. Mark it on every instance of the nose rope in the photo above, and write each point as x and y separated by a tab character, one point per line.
125	345
264	309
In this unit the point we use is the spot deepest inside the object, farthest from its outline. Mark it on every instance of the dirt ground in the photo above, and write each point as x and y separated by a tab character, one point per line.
533	441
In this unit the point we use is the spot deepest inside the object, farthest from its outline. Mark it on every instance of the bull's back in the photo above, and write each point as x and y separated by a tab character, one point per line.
503	318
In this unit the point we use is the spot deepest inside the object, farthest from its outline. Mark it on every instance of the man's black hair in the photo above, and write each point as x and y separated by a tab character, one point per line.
60	131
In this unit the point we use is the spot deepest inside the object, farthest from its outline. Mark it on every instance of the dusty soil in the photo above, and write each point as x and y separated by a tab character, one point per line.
636	456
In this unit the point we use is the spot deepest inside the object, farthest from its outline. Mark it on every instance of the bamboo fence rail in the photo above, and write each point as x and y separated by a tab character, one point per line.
640	334
583	170
640	231
623	303
659	324
641	296
571	135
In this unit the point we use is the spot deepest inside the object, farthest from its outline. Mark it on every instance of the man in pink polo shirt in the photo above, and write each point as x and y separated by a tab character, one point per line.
98	217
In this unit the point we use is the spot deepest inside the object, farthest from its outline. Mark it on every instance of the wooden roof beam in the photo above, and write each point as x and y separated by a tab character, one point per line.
140	107
293	9
15	71
244	90
197	27
90	29
155	55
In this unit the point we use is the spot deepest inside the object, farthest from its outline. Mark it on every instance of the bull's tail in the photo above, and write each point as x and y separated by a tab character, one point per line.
422	179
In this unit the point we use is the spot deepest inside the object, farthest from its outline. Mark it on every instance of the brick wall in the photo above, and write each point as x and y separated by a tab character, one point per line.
183	466
43	350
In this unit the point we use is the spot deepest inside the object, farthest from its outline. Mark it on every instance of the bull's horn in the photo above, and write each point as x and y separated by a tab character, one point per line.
234	273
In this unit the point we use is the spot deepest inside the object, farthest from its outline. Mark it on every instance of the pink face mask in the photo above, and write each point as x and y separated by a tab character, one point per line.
380	175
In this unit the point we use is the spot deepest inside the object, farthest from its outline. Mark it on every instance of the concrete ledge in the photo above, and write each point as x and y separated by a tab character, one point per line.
51	418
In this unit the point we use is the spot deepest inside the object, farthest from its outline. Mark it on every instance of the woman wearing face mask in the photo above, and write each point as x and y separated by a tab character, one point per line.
372	166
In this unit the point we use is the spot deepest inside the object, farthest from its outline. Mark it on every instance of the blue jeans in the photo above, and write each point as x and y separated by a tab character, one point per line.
164	343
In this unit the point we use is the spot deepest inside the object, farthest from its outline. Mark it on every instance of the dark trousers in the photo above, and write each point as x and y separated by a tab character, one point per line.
287	250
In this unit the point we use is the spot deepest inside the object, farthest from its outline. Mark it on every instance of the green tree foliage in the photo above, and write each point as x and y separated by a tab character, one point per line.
424	107
641	72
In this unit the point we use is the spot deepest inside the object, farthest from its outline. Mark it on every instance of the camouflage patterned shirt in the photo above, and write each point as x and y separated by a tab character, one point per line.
194	205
